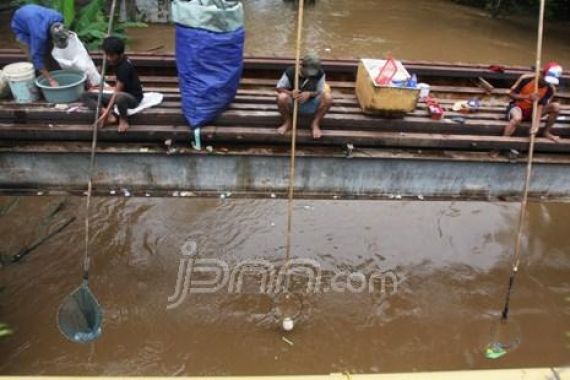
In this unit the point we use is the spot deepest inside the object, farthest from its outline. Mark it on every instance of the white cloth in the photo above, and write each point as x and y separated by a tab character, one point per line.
150	99
75	57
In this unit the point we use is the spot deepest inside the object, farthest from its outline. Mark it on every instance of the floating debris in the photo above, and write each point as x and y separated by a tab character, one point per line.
168	142
40	193
112	192
495	351
176	194
288	324
391	196
225	195
5	330
421	197
147	194
186	194
398	197
209	149
126	192
335	197
144	150
50	125
273	195
289	342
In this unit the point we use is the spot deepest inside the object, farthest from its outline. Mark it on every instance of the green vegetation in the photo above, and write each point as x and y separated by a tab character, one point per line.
555	9
90	22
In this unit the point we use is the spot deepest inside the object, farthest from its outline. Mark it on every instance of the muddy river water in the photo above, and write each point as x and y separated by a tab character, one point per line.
433	30
448	262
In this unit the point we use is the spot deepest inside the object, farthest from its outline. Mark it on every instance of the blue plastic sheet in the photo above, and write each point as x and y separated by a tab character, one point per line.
209	70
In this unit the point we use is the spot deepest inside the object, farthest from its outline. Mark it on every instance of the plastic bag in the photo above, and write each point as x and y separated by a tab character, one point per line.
219	16
75	57
209	62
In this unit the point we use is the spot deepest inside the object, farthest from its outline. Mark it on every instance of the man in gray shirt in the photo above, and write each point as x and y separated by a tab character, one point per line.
313	95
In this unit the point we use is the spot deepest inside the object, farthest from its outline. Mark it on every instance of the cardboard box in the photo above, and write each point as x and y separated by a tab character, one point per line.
375	99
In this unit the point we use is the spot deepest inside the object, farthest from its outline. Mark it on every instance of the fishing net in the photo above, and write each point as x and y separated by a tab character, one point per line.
80	317
506	336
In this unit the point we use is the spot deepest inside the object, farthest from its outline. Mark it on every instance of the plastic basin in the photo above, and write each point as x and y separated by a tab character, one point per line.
71	86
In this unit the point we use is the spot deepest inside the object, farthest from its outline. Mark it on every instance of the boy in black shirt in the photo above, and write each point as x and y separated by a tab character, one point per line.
127	92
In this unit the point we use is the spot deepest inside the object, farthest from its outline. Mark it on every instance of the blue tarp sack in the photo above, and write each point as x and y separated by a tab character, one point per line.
209	56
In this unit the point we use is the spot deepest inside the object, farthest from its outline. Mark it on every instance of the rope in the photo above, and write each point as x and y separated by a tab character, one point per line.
534	129
294	137
87	258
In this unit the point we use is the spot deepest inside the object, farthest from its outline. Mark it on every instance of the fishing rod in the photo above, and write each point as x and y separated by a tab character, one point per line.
534	129
288	321
494	350
80	315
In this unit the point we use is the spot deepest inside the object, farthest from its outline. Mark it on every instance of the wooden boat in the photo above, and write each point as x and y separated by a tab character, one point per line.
248	126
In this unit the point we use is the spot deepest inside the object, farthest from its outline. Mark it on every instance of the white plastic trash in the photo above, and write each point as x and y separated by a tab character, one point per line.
75	57
424	90
22	76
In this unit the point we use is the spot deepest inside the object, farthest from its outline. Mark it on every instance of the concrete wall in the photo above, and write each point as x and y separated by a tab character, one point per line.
381	177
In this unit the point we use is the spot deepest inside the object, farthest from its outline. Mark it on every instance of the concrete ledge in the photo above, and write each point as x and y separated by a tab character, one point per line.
366	175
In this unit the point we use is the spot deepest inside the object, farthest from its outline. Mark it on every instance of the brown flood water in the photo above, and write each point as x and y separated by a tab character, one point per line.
452	260
433	30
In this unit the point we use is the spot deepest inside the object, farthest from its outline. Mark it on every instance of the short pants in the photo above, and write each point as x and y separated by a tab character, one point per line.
310	107
526	113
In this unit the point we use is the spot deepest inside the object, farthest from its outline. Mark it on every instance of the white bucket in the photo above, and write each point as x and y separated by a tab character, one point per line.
4	86
424	90
21	77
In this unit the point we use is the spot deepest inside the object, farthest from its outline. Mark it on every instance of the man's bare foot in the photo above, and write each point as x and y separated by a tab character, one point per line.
552	137
123	126
317	134
284	128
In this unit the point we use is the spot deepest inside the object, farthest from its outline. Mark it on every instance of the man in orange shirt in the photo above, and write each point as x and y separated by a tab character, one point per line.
523	95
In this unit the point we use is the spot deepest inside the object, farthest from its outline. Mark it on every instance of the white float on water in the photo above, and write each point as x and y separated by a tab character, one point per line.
288	324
